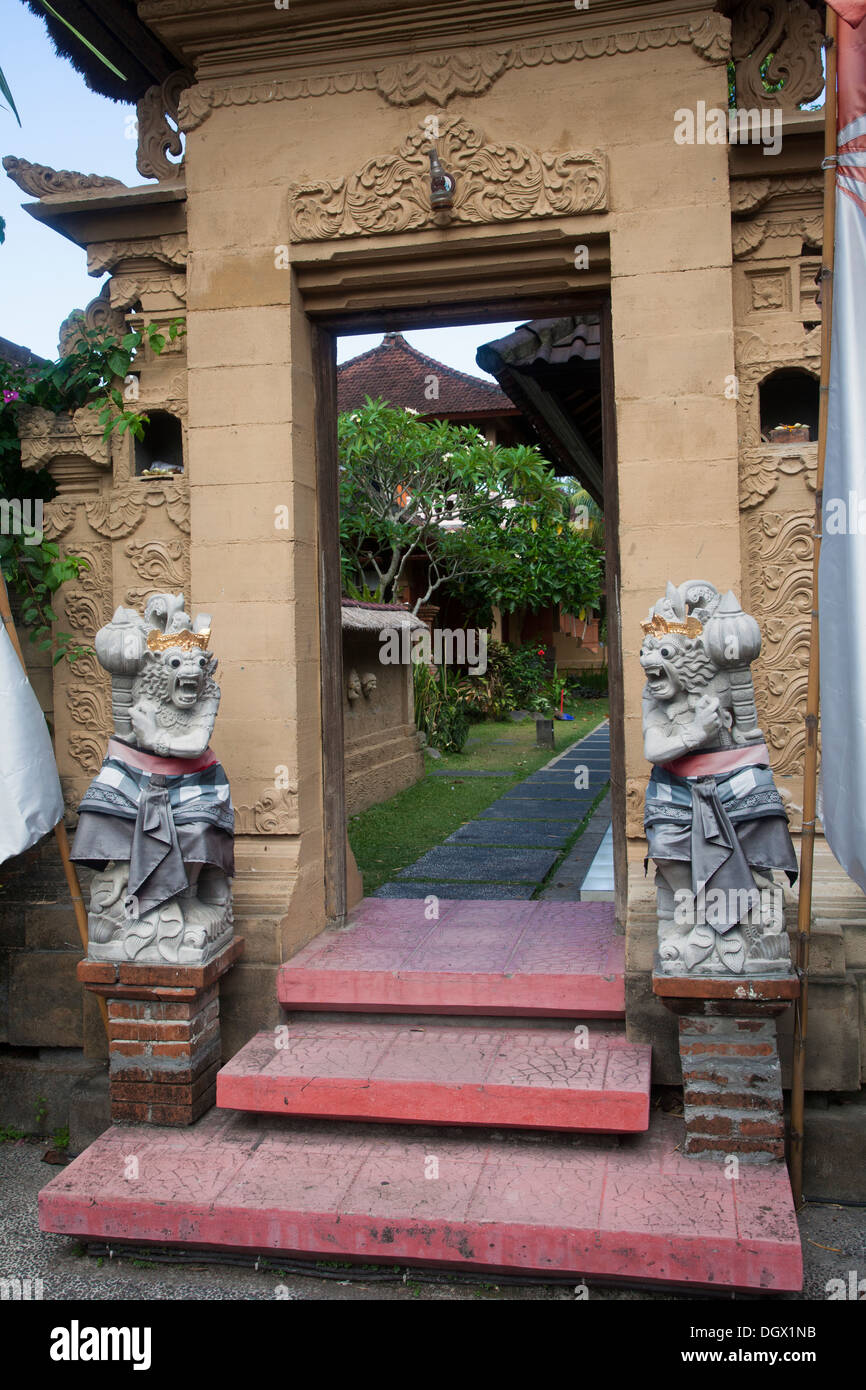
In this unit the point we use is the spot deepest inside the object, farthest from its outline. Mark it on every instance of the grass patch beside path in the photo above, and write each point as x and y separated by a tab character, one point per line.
389	837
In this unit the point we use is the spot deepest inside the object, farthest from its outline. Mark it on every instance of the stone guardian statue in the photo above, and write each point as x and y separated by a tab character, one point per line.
715	824
156	822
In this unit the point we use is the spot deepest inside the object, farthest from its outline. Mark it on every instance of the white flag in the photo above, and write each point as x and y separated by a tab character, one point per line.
842	577
31	802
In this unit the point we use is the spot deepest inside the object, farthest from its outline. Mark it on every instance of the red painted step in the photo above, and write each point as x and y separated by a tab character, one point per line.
531	959
536	1078
630	1208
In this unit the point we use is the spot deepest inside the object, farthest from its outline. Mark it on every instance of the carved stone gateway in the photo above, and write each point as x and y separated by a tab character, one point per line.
157	821
715	823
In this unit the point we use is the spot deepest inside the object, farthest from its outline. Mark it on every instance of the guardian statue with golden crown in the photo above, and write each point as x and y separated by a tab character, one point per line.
156	823
715	824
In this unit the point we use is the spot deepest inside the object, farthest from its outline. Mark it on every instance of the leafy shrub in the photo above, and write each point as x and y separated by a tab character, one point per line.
440	712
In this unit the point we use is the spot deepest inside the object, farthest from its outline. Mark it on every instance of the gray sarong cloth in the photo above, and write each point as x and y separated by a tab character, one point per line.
157	823
724	826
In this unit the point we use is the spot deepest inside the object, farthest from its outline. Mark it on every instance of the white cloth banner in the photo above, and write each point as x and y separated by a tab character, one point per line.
842	576
31	802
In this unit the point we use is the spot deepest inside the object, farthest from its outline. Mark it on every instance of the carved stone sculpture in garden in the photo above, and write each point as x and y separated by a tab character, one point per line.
715	824
157	821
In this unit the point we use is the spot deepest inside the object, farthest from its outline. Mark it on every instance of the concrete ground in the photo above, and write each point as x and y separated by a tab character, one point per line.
834	1248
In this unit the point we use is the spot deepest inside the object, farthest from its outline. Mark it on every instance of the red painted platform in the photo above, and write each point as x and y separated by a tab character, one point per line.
527	958
536	1078
626	1209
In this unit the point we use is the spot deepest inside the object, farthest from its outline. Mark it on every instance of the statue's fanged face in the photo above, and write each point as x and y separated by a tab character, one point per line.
187	672
661	659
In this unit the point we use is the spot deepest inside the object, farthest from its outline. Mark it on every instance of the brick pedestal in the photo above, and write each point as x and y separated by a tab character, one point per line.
163	1036
732	1080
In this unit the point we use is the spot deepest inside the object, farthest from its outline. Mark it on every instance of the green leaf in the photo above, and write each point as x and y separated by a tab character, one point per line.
4	89
82	39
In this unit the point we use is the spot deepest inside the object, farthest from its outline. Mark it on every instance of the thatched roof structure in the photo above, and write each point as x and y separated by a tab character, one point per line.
114	28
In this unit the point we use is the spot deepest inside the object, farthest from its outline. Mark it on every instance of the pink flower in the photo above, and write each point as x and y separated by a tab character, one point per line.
11	396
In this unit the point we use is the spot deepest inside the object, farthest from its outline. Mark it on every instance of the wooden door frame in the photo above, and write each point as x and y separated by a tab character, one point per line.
325	330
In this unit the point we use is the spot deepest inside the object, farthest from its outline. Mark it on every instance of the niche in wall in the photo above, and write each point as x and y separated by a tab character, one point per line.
162	445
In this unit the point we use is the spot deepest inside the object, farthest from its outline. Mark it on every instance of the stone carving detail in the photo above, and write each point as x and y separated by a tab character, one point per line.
120	513
99	314
749	235
495	183
439	77
41	180
103	257
353	688
715	823
749	194
157	560
275	813
159	134
157	822
777	547
47	438
468	72
792	32
780	547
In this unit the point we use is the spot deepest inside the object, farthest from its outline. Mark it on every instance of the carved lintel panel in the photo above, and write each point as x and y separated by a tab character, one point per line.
463	72
788	32
275	813
495	183
120	513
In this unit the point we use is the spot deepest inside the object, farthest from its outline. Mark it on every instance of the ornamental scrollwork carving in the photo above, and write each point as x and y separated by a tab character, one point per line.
46	437
495	183
41	180
439	77
789	33
118	514
467	72
86	601
99	314
162	562
780	547
275	813
159	134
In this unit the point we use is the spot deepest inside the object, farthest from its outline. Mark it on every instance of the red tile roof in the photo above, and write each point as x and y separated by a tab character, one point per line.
399	374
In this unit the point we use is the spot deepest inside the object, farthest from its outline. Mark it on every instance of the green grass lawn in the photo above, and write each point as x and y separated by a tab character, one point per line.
388	837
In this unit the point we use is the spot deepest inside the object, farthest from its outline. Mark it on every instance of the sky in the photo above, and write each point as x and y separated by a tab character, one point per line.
43	277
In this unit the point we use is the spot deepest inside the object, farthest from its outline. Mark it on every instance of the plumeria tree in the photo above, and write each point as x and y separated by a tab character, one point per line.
489	521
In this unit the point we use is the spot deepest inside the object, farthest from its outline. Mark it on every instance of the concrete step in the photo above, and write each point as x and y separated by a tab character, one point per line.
602	1208
436	955
534	1078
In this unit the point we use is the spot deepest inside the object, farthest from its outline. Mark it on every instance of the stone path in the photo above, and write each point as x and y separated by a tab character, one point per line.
509	850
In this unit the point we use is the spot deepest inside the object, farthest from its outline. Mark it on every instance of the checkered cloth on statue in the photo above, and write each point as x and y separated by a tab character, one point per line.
156	813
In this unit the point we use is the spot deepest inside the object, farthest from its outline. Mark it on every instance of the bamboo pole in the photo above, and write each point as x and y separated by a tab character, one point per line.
62	838
810	764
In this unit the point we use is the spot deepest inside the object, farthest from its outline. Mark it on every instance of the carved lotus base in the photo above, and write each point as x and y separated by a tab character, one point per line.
180	932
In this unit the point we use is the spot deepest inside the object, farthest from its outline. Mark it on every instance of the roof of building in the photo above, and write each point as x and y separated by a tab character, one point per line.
398	373
19	356
114	28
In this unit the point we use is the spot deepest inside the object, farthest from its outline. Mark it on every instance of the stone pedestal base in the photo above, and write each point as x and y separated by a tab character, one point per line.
732	1080
163	1036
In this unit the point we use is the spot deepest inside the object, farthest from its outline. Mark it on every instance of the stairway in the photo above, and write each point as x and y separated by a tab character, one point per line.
334	1135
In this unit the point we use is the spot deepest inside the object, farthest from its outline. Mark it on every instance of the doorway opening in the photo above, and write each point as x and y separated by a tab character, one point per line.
540	381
